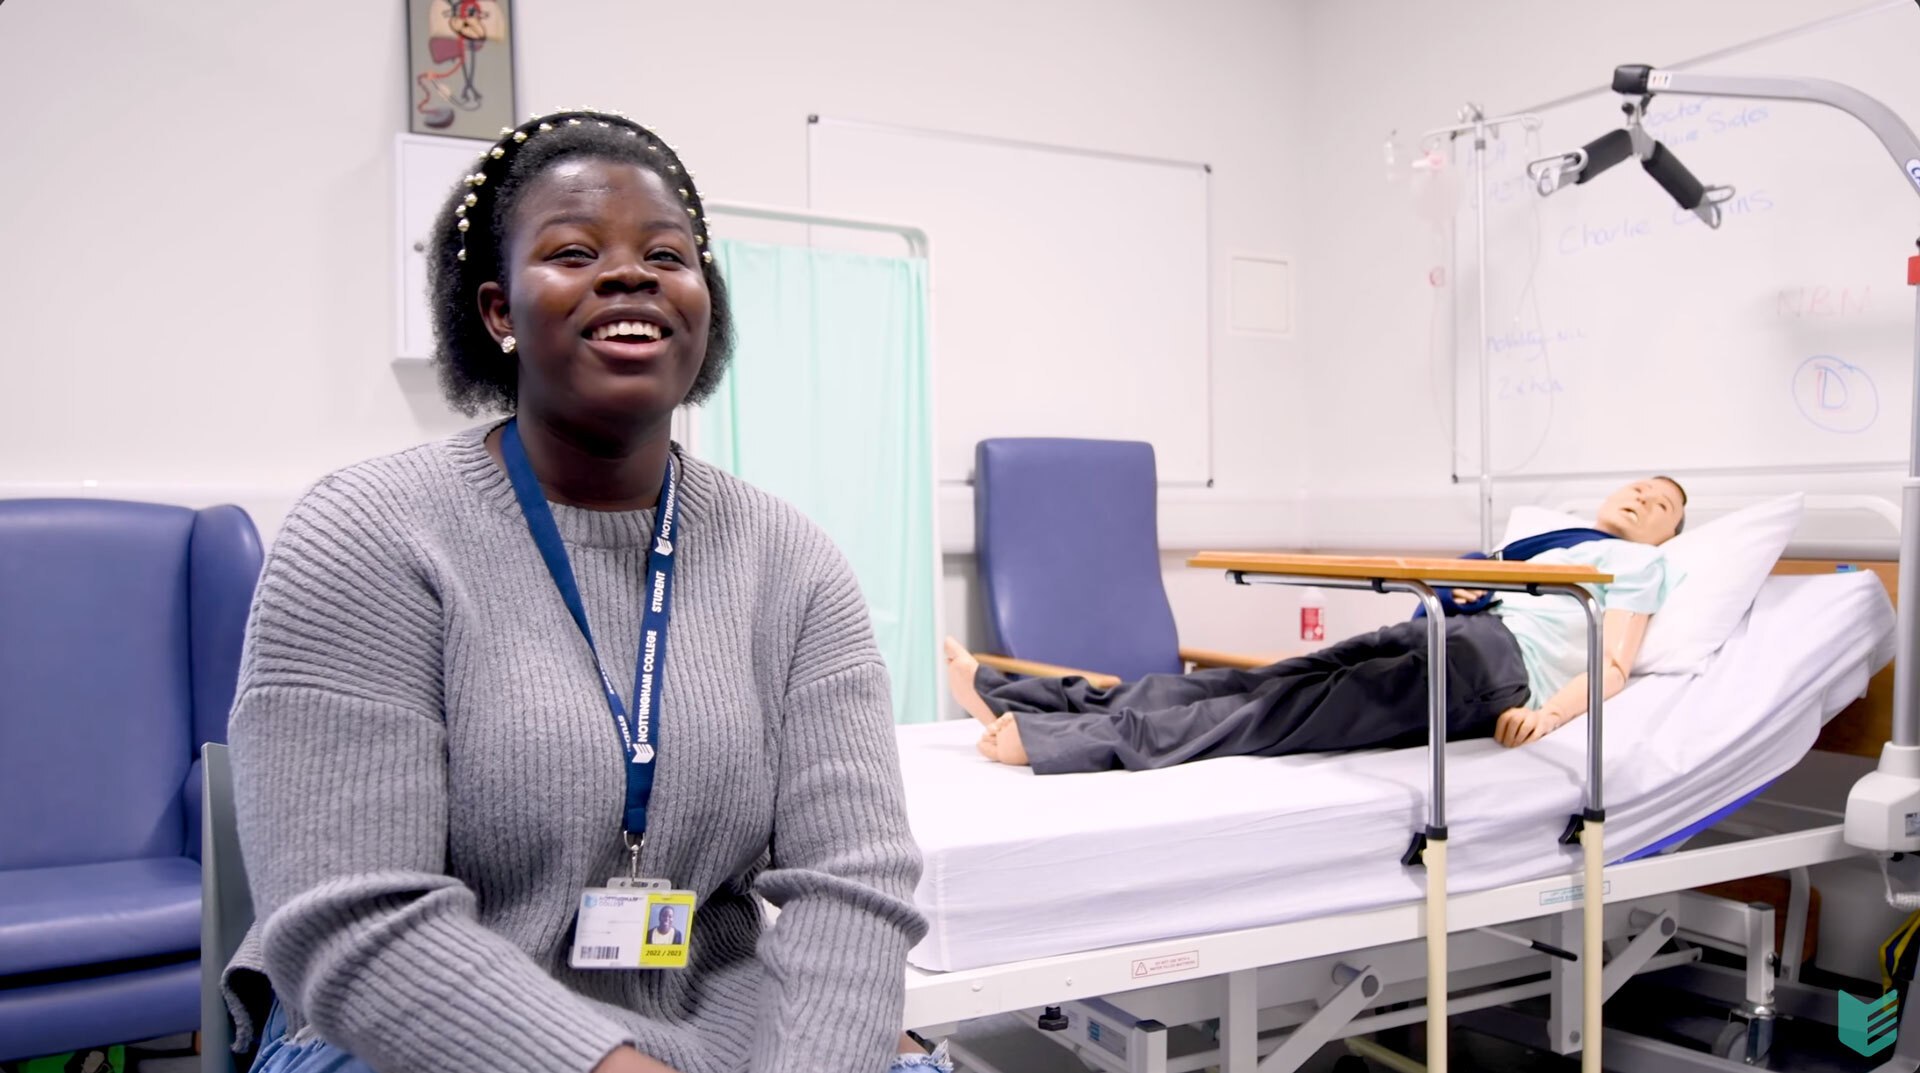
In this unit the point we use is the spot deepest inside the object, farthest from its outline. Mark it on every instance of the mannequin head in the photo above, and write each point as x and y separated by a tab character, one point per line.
1649	511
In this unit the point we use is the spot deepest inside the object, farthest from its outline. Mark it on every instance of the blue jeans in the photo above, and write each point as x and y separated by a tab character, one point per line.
280	1055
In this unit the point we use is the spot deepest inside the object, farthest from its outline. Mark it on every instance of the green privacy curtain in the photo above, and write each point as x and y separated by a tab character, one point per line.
828	406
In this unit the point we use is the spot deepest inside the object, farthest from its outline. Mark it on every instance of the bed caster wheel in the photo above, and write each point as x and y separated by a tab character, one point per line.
1052	1020
1746	1042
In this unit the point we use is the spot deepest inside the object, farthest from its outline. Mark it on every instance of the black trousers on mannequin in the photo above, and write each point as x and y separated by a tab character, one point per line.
1366	692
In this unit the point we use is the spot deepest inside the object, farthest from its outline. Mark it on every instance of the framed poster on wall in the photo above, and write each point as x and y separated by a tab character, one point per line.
459	67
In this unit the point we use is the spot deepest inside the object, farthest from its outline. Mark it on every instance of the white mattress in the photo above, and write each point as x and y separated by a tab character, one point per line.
1021	866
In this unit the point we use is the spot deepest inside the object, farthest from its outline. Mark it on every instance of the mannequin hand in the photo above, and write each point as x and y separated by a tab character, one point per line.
1518	726
1463	597
628	1060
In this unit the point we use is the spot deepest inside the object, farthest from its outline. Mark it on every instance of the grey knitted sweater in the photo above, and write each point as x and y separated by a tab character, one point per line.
427	775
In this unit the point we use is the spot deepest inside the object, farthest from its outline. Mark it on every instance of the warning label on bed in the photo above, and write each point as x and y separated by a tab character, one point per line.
1166	963
1574	893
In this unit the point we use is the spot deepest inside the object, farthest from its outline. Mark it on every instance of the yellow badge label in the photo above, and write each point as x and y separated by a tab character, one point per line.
669	928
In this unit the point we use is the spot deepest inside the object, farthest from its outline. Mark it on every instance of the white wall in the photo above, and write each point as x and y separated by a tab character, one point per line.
196	238
1220	83
1376	345
196	274
1377	434
194	261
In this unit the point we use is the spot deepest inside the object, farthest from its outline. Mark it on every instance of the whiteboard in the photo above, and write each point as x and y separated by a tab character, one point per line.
1070	288
1624	334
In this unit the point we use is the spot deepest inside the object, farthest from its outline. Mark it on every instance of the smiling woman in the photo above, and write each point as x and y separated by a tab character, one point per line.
569	171
449	806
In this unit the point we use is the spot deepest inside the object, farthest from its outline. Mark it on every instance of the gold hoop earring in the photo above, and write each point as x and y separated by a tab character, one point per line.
507	344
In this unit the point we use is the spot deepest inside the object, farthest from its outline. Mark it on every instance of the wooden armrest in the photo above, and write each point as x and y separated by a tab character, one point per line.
1035	669
1207	657
1390	568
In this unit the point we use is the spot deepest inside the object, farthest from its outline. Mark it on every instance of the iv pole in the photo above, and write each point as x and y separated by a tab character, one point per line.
1883	809
1474	121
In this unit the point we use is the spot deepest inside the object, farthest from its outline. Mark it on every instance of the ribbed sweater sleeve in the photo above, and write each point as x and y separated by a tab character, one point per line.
340	761
843	862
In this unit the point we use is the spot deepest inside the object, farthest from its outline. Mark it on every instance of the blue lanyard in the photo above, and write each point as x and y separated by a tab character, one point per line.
638	737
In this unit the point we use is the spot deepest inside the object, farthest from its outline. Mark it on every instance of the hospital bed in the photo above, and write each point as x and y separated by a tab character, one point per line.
1265	900
1313	970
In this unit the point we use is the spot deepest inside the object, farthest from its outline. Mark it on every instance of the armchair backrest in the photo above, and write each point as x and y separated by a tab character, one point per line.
120	631
1068	541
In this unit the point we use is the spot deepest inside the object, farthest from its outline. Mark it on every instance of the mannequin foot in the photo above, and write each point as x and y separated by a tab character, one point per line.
961	667
1001	742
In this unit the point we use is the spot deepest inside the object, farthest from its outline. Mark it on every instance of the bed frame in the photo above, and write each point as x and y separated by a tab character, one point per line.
1867	723
1268	998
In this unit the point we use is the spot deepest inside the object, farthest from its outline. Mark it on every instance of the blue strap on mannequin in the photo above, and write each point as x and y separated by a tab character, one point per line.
1520	550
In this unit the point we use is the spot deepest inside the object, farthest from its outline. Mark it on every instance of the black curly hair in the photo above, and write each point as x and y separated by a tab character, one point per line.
470	233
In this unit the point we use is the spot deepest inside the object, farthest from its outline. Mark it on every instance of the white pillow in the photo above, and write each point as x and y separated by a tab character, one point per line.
1715	571
1720	567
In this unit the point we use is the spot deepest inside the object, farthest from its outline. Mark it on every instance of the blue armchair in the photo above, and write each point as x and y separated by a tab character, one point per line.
1067	535
120	631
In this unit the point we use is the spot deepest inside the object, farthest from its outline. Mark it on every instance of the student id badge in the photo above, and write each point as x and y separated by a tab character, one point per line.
633	924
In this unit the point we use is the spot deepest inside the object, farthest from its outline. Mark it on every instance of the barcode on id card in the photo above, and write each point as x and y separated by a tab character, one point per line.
599	953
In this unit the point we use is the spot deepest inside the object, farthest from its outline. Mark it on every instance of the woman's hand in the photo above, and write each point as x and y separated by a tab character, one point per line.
1463	597
1518	726
628	1060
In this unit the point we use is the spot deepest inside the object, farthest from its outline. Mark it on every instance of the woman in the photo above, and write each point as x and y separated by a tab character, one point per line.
442	780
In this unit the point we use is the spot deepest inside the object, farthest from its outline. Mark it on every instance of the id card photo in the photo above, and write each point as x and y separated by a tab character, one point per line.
669	922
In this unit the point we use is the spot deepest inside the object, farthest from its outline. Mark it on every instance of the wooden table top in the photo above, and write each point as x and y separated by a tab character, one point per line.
1394	568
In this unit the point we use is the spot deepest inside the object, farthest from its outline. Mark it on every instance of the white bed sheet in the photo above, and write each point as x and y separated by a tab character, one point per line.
1021	866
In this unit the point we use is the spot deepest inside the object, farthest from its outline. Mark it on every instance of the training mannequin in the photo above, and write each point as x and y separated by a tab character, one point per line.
1515	671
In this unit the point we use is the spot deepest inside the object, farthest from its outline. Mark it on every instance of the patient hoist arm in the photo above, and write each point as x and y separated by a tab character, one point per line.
1883	811
1616	146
